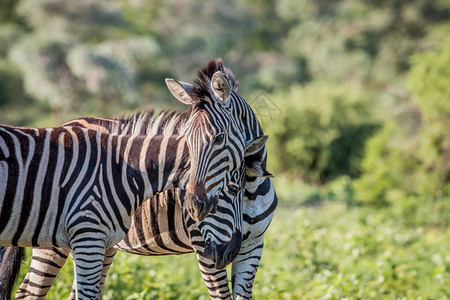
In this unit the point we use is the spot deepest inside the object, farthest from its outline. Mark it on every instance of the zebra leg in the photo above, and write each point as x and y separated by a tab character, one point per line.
244	268
216	280
45	265
73	292
109	256
88	261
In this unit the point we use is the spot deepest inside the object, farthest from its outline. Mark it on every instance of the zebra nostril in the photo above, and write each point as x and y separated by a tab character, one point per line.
228	256
213	209
201	206
214	203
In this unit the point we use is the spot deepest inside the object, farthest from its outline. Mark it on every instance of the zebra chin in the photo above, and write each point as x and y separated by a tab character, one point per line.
223	254
199	207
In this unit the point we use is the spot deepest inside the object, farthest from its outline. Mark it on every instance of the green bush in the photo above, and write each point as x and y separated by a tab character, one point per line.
320	131
11	87
412	158
388	159
430	82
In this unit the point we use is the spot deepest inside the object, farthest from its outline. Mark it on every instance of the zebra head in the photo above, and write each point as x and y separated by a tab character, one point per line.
216	146
241	112
219	236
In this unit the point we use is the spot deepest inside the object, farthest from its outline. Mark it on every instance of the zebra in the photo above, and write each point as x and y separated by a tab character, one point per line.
257	211
88	167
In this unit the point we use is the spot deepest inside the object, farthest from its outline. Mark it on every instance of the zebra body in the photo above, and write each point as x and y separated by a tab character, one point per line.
162	227
77	188
64	172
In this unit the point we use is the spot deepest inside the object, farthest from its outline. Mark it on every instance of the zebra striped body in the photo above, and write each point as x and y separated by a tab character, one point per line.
162	227
77	188
73	175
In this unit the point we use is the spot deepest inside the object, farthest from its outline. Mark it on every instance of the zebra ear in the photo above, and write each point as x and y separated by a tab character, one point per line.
221	86
255	164
256	145
180	90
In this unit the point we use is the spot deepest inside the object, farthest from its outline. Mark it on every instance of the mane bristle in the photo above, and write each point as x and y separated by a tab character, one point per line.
148	123
202	86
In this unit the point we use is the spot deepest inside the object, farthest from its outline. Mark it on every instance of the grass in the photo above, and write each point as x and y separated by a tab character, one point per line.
320	252
330	252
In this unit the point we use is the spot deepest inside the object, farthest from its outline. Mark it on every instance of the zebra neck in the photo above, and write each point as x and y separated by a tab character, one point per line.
157	163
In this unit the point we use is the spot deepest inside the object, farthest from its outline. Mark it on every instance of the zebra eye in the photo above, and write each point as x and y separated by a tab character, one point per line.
219	138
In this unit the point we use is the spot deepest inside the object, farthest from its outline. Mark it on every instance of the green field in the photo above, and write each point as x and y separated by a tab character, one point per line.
321	252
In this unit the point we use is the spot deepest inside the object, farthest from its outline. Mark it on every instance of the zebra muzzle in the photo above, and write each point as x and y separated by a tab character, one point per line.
197	203
224	253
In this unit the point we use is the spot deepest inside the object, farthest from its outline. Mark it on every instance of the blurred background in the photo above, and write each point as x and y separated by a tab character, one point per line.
355	96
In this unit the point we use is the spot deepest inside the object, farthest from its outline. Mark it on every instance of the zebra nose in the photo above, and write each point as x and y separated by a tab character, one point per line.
226	253
197	203
210	250
198	189
229	256
199	206
214	203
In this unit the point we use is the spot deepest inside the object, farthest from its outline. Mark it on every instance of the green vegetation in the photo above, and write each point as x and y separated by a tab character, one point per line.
333	253
354	95
321	131
410	156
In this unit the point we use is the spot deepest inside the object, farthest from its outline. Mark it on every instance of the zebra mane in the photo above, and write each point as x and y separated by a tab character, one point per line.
148	122
202	86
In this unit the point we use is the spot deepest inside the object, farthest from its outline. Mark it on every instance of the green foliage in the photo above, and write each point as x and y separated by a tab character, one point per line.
430	81
320	131
356	254
387	161
10	83
293	191
9	34
7	11
80	56
410	156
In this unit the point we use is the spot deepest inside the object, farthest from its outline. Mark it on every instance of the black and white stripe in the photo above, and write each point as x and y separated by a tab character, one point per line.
161	227
76	188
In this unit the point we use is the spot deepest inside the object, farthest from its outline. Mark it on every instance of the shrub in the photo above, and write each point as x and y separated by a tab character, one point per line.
320	132
413	158
388	158
430	82
11	87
